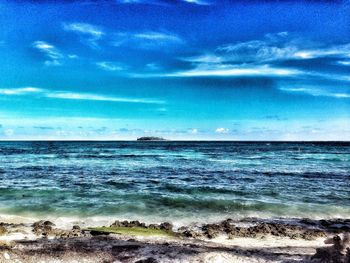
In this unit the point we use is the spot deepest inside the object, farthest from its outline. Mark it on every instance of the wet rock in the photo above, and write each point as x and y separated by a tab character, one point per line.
98	233
76	227
337	253
3	230
147	260
166	226
42	227
136	224
212	230
307	221
126	223
116	223
153	226
188	233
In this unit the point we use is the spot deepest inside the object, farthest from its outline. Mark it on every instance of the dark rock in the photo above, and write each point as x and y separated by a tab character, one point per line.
338	253
188	233
307	221
42	227
212	230
136	224
116	223
153	226
166	226
147	260
98	233
3	230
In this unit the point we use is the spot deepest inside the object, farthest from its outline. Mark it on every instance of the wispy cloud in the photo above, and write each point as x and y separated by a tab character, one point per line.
94	97
75	95
222	130
234	71
318	92
266	57
147	39
53	55
90	33
110	66
280	46
164	2
20	91
198	2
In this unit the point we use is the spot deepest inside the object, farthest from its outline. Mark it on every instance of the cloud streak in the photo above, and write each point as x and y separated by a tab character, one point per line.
110	66
316	92
234	71
147	39
90	33
53	55
20	91
74	95
270	57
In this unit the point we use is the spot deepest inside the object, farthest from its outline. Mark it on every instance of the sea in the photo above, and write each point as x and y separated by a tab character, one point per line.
177	181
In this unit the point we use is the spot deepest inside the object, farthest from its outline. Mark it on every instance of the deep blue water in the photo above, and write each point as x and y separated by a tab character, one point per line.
178	181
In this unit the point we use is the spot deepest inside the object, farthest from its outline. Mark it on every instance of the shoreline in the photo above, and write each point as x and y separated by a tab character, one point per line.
246	240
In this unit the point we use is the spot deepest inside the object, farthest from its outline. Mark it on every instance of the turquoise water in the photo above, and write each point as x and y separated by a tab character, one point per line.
177	181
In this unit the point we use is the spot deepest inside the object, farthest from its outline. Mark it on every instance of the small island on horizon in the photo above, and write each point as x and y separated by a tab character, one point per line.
150	138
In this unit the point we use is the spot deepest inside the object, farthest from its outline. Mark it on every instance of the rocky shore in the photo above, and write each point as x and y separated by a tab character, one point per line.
248	240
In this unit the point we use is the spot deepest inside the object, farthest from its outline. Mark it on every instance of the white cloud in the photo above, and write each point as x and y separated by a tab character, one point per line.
259	57
84	28
232	71
279	47
74	95
95	97
50	51
198	2
222	130
147	39
91	32
317	92
158	36
110	66
20	91
194	131
344	63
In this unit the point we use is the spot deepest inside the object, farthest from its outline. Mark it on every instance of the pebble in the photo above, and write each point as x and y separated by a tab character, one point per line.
6	255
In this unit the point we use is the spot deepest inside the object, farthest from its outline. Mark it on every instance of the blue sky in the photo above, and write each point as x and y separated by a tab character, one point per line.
181	69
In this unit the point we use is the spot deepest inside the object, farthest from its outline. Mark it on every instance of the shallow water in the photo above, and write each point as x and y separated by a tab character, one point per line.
177	181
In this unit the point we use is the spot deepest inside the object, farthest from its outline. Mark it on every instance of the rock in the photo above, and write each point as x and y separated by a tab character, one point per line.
338	253
136	224
307	221
147	260
166	226
76	227
6	255
3	230
98	233
212	230
116	223
188	233
44	228
153	226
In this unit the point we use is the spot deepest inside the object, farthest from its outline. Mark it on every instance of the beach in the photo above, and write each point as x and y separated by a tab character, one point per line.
170	201
249	240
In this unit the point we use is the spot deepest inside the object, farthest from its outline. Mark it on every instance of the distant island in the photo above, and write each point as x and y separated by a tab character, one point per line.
151	138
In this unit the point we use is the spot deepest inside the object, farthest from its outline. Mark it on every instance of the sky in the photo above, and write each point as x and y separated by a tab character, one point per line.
180	69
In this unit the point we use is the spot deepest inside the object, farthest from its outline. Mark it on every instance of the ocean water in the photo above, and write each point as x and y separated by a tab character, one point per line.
176	181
